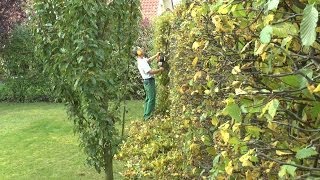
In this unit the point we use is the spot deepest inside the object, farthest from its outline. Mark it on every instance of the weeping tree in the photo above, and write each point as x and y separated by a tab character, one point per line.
86	46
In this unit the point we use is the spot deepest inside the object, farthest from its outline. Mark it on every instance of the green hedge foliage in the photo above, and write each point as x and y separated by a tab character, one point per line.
24	79
244	77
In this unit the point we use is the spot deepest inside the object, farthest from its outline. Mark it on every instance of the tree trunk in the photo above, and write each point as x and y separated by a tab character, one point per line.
108	158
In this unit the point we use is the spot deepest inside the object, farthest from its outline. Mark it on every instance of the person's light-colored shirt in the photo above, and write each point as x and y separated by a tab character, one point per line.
144	68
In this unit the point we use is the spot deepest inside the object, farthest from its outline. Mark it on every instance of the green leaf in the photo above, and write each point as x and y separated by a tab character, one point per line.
216	160
238	10
271	4
265	35
315	110
313	1
234	111
287	169
308	25
298	81
306	152
254	131
272	110
284	29
272	107
293	81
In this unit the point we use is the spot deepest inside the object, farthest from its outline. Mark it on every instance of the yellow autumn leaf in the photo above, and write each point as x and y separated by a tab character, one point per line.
235	83
245	159
296	45
197	75
211	150
225	136
281	153
272	164
239	91
317	89
196	45
272	126
186	123
246	46
214	121
229	168
194	13
274	144
183	108
194	170
207	92
217	22
194	92
224	126
311	88
236	70
224	9
247	138
224	153
264	56
236	127
316	45
259	48
195	61
247	163
195	148
252	174
216	89
268	19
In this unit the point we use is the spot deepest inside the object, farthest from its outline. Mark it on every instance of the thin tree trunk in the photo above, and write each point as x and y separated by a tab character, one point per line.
108	159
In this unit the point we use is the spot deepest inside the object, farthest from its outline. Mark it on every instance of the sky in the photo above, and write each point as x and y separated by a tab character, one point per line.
176	2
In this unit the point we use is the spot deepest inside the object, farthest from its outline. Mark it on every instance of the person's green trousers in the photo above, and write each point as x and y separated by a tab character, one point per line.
150	101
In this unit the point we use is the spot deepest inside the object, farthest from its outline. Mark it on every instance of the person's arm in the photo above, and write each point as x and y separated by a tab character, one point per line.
153	57
155	71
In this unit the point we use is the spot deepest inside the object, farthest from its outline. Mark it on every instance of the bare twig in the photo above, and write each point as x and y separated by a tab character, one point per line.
285	163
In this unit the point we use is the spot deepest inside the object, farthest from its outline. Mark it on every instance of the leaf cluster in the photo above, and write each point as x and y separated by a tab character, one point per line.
151	150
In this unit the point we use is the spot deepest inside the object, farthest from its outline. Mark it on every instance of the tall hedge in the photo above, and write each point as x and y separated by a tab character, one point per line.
162	34
244	89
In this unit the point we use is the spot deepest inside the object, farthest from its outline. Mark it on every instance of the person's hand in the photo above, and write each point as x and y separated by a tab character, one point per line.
161	69
158	54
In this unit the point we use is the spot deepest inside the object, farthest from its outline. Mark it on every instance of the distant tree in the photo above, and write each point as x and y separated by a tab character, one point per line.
11	13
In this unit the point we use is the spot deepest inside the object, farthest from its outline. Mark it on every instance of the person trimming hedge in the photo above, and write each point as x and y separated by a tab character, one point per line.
147	75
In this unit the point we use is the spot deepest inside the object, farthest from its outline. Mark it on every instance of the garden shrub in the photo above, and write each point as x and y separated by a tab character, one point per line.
24	79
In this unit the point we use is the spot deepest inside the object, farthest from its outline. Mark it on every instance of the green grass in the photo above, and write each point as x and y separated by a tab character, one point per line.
37	142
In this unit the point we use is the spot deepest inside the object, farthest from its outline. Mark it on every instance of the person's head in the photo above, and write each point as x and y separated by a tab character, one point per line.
160	58
140	52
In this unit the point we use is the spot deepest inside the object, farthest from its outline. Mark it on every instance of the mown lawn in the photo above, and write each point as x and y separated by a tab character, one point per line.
37	142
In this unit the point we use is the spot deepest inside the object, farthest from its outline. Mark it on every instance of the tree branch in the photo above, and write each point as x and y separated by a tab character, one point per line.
285	163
